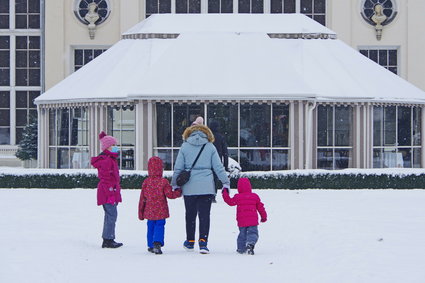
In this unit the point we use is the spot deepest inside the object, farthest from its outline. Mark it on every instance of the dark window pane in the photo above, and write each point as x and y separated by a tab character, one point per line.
255	125
21	77
321	19
21	42
392	57
21	59
4	117
4	135
181	6
97	52
417	122
4	6
194	6
404	125
32	116
34	21
280	125
281	160
151	6
394	70
213	6
21	6
4	99
325	125
19	132
257	6
4	59
21	117
33	95
34	42
227	6
364	52
4	77
21	99
276	6
377	158
406	156
244	6
4	42
320	6
183	116
4	22
390	125
21	21
342	158
165	155
34	76
383	57
306	6
63	127
343	124
377	125
325	158
417	154
164	6
78	57
88	55
373	55
34	6
226	116
163	125
255	159
34	59
289	6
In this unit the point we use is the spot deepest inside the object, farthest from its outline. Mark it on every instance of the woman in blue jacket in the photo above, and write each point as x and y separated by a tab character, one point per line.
199	191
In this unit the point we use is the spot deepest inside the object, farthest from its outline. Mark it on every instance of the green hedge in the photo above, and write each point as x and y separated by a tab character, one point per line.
259	181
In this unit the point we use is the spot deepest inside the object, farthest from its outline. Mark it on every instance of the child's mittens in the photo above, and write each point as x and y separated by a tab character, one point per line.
224	189
263	220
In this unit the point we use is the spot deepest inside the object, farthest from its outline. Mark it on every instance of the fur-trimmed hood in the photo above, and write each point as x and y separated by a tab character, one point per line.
198	134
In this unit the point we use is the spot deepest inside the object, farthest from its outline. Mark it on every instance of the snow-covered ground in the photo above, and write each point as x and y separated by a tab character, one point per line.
311	236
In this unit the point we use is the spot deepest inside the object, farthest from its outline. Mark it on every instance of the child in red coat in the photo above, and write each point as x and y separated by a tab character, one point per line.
108	188
153	204
248	203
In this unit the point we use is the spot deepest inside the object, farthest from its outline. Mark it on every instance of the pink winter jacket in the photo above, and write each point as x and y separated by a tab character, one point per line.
108	188
248	203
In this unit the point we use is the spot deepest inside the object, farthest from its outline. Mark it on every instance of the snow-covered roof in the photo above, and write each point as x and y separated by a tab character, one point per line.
232	56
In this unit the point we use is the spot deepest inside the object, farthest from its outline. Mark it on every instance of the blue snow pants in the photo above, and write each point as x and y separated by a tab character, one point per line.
156	231
111	215
247	235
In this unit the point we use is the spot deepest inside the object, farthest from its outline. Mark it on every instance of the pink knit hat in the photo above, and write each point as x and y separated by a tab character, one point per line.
106	141
198	121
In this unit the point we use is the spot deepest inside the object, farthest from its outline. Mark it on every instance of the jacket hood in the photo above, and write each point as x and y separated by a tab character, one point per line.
103	155
198	135
155	167
244	185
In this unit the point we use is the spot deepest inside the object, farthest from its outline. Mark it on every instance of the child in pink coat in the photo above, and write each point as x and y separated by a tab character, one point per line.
248	206
108	188
153	204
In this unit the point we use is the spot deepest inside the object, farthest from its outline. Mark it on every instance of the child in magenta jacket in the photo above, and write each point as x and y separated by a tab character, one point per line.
153	204
108	188
248	206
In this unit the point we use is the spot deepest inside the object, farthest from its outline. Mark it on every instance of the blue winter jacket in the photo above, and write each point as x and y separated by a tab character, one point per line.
201	180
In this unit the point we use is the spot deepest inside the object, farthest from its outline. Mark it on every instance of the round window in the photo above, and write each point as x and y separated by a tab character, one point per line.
369	9
101	7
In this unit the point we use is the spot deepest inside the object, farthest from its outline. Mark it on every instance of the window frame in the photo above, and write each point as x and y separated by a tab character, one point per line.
387	48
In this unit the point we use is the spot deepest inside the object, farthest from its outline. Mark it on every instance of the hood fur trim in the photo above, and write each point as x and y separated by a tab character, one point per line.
202	128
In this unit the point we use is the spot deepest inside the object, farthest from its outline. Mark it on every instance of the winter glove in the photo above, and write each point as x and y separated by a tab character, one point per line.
263	220
224	189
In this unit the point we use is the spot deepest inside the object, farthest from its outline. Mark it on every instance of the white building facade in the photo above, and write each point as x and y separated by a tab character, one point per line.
337	141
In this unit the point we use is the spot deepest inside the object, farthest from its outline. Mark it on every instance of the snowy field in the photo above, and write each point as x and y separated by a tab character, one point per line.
311	236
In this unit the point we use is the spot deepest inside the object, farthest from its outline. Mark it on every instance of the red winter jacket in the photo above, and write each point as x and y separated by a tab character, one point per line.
108	188
248	203
155	191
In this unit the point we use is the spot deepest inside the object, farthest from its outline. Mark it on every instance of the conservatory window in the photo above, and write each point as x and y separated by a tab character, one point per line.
257	135
251	6
397	137
157	7
334	137
68	138
4	117
83	56
387	58
220	6
121	125
188	6
26	110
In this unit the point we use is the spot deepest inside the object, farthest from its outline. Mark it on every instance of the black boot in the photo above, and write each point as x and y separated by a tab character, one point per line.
150	250
111	244
250	249
157	248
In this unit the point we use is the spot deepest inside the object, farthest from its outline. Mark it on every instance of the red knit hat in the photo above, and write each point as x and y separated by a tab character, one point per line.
106	141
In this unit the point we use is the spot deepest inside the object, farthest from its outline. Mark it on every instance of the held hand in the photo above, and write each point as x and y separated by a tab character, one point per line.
224	189
263	220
